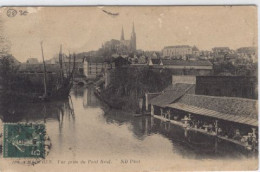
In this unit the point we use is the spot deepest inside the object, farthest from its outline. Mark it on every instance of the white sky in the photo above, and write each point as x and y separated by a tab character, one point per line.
85	28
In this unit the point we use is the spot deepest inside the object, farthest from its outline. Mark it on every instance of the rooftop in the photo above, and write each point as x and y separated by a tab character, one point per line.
226	105
170	94
186	63
239	110
194	48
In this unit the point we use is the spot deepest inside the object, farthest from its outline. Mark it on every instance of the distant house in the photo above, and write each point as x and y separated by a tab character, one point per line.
68	65
247	50
120	61
221	50
249	53
152	54
195	51
94	66
153	62
191	57
177	51
155	55
142	60
32	61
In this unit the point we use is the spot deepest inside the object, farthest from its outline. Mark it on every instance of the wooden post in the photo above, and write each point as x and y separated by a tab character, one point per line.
152	110
216	127
69	64
146	101
61	64
45	76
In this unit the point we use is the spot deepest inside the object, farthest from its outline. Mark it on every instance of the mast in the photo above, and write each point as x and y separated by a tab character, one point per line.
45	76
73	69
61	65
69	63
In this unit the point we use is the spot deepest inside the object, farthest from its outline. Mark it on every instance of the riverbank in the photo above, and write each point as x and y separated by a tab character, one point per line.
127	85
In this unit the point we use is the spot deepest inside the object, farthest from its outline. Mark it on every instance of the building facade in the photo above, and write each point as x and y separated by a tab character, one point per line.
228	86
177	51
32	61
221	50
94	67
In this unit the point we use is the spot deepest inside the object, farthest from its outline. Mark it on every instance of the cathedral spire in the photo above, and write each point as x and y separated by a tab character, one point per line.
133	39
122	34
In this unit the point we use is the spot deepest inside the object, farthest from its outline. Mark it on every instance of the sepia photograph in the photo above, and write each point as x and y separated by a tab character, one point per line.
129	88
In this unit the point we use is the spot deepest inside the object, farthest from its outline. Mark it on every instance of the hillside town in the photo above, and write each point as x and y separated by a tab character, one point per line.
180	59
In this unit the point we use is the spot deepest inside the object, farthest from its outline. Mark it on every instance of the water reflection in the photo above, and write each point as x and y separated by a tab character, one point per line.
82	126
189	144
38	112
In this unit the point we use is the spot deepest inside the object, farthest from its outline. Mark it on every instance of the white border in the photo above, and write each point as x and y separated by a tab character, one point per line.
124	2
139	2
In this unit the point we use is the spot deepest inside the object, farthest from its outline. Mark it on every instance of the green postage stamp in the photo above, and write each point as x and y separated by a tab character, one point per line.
24	140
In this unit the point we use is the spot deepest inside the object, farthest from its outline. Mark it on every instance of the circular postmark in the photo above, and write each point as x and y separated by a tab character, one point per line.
11	12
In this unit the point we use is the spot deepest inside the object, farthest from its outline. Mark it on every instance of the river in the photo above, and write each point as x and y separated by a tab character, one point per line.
86	135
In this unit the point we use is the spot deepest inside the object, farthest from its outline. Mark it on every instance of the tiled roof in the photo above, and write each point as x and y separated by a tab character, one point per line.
186	63
170	94
226	105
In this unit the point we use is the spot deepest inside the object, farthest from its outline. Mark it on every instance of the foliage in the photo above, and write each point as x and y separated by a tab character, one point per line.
7	71
227	68
128	84
12	81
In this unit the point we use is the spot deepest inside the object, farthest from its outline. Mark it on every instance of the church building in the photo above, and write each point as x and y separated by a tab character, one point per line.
121	46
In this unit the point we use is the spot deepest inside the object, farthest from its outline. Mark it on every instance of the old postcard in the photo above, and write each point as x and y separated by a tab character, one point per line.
128	88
